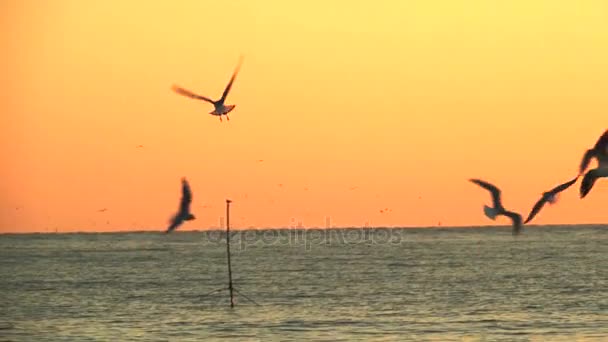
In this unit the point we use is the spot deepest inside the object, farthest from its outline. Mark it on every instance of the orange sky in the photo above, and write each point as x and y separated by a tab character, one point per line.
402	99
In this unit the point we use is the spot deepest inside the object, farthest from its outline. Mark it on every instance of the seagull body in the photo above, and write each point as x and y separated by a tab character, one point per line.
220	108
497	207
184	208
599	152
549	197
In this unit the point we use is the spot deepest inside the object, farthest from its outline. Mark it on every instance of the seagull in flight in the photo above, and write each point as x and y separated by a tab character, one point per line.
599	152
184	208
497	208
219	107
549	197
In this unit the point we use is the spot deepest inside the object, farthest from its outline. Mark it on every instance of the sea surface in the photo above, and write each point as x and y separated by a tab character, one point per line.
431	284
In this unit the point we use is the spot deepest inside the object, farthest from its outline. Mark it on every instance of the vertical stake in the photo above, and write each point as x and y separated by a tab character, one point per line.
228	252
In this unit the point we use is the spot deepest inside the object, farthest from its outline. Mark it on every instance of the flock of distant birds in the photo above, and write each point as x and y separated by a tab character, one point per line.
598	152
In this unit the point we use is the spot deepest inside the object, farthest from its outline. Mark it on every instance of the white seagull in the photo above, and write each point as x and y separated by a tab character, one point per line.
497	208
549	197
220	108
599	152
184	208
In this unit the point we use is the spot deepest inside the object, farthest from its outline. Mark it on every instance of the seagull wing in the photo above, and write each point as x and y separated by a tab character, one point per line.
184	206
587	183
563	187
175	222
236	71
537	207
492	189
516	218
190	94
602	142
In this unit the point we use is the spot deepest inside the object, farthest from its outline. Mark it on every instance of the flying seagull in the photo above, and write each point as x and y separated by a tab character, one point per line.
549	197
184	208
219	107
599	152
497	208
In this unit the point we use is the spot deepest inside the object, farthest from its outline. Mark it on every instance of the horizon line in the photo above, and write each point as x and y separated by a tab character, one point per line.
214	229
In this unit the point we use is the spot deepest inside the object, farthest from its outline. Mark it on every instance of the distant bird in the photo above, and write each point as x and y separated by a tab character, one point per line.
102	210
549	197
220	108
184	208
497	208
599	152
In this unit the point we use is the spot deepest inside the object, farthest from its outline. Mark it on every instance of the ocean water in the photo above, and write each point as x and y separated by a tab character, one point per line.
457	284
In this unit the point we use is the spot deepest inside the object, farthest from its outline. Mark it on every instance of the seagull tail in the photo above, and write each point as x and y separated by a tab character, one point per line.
490	212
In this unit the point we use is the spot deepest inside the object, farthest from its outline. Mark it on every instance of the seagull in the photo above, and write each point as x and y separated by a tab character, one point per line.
184	208
599	152
549	197
220	108
497	208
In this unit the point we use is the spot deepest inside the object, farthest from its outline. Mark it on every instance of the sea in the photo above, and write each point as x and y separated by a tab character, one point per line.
375	284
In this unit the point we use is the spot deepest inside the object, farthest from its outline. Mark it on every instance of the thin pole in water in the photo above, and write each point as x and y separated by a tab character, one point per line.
230	289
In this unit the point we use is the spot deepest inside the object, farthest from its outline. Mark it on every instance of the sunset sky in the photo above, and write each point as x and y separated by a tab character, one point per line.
353	106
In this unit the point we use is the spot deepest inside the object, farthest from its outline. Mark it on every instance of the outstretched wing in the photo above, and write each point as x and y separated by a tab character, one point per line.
190	94
176	221
602	142
236	71
587	183
184	206
516	218
537	207
564	186
492	189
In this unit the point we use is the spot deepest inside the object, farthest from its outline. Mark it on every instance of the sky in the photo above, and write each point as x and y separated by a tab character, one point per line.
367	112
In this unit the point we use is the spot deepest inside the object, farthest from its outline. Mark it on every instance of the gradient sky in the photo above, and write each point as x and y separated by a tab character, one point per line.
404	100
